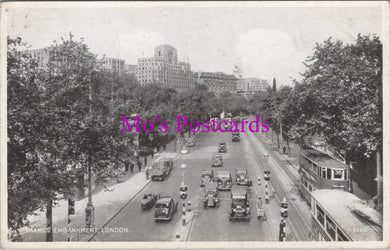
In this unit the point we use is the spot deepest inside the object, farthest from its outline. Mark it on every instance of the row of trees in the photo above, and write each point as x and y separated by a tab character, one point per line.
68	115
338	101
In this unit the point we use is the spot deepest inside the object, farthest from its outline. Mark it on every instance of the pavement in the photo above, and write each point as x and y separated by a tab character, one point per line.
107	202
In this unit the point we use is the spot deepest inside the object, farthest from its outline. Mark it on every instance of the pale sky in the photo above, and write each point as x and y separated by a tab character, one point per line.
264	42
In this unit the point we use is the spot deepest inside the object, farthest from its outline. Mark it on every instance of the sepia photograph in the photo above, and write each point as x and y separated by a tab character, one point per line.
195	124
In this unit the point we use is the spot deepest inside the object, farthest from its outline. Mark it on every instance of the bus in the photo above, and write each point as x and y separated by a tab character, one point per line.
321	171
337	215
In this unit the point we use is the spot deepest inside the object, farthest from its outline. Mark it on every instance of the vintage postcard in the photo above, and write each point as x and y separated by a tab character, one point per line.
195	124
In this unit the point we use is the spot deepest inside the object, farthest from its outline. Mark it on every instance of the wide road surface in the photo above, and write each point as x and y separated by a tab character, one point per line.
210	224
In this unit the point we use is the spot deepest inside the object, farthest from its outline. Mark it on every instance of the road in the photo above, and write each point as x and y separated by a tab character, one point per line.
213	224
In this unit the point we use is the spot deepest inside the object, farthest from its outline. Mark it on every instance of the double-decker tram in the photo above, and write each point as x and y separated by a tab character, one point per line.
337	215
321	171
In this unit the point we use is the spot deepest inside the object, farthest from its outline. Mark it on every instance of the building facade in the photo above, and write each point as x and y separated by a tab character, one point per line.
114	65
130	69
251	85
164	68
216	81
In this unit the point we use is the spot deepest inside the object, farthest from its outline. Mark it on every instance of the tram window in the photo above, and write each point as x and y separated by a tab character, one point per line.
323	175
329	173
338	174
320	216
331	228
341	236
315	167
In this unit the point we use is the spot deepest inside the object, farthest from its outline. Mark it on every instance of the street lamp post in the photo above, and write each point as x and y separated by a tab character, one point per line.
183	166
183	195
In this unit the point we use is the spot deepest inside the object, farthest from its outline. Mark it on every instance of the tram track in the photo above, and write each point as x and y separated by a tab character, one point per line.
299	225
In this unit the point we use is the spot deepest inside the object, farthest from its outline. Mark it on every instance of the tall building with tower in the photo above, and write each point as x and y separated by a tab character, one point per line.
164	68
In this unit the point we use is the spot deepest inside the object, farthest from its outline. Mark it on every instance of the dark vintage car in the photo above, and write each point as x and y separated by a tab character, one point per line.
211	197
149	200
235	136
267	175
166	208
207	175
224	180
239	208
161	169
216	160
222	148
242	177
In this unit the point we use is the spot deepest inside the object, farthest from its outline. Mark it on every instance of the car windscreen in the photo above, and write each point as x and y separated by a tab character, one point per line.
161	205
239	202
223	176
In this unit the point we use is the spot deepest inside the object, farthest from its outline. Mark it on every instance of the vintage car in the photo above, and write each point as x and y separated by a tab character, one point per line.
235	136
161	169
242	177
166	208
149	200
222	147
211	196
207	175
267	174
239	208
224	180
216	160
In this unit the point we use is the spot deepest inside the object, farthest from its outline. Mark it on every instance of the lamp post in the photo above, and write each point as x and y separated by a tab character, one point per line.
266	177
183	166
136	141
183	194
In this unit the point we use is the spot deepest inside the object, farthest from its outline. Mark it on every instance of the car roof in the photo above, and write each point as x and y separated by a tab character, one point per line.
217	155
237	191
206	171
211	186
164	200
241	170
222	143
223	172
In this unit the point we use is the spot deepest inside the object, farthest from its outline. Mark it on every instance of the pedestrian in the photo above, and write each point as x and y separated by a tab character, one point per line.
127	163
139	165
131	167
165	147
284	150
147	173
146	161
153	153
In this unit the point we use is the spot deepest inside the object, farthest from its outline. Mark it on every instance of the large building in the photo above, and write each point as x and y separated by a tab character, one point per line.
216	81
165	69
51	54
114	65
251	85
